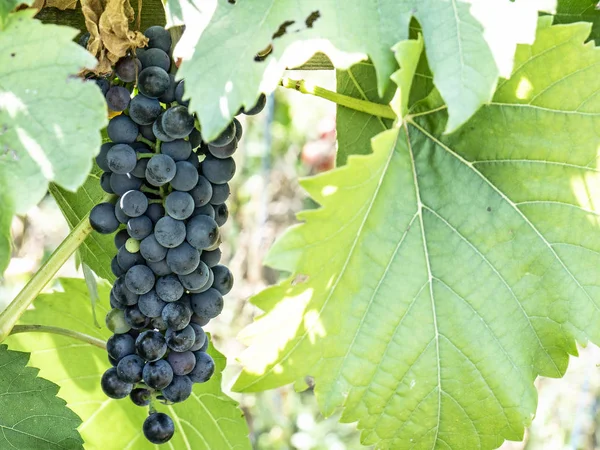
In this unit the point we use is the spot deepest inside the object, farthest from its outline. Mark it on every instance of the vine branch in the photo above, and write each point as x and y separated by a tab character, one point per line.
62	331
12	313
374	109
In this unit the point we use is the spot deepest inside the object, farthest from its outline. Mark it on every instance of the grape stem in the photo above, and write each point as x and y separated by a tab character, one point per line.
148	142
12	313
374	109
62	331
150	190
144	155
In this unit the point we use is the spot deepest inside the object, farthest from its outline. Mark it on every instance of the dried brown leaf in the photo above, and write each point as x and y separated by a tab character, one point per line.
38	4
61	4
110	37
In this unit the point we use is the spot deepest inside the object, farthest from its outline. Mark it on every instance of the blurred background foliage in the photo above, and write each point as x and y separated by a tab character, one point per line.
295	137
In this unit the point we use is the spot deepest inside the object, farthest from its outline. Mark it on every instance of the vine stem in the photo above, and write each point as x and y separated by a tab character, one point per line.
148	142
12	313
375	109
62	331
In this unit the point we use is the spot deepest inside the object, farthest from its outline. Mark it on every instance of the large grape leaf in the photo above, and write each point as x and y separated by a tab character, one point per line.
207	420
98	249
50	120
442	274
31	416
469	43
569	11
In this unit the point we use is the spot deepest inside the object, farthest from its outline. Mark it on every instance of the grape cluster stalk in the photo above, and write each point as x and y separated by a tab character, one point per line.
171	189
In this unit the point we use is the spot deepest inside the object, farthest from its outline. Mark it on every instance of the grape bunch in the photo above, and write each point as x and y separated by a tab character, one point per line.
171	189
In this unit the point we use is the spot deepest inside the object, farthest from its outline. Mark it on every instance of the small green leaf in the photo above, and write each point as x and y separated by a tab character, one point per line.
98	249
408	54
31	416
50	120
444	273
209	419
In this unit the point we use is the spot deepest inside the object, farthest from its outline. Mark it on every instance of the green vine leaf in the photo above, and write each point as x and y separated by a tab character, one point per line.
444	273
50	120
208	420
98	249
469	45
31	416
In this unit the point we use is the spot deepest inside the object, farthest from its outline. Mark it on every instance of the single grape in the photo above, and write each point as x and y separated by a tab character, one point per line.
101	158
179	92
205	210
116	268
179	149
217	244
169	232
103	219
180	340
260	105
120	215
169	288
220	194
151	345
119	346
146	131
127	259
132	245
155	57
183	259
158	428
179	389
238	129
208	304
195	138
153	81
160	268
115	304
158	323
139	279
202	232
177	122
169	96
202	192
103	84
151	250
179	205
155	211
105	182
218	171
158	37
158	131
122	130
158	374
176	315
115	321
117	98
139	228
122	294
204	368
140	396
144	110
221	214
160	170
197	279
113	386
123	183
120	238
205	346
223	279
127	68
136	318
200	337
225	138
182	363
139	170
206	286
186	177
150	304
194	159
134	203
129	369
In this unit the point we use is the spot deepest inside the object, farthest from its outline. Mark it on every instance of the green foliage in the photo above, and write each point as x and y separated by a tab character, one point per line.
569	11
98	249
208	420
443	273
6	6
49	120
31	416
469	44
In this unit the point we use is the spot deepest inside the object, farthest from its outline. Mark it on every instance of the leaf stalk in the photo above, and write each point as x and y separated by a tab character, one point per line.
61	331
